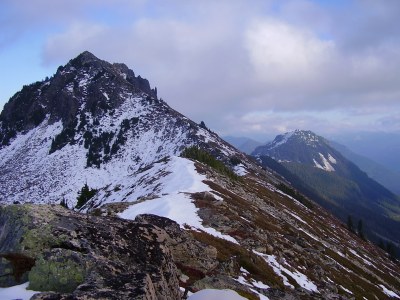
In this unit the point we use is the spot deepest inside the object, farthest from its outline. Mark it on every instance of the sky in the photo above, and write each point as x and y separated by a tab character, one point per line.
252	68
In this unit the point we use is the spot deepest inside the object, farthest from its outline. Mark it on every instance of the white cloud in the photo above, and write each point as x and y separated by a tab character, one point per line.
282	54
75	40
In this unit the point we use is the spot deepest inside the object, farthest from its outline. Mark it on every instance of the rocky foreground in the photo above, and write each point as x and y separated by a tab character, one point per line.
100	256
87	257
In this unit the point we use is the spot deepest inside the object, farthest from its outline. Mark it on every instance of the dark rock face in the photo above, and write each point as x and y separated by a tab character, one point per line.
88	257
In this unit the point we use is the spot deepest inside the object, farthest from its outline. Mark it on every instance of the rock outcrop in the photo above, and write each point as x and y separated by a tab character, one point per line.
84	256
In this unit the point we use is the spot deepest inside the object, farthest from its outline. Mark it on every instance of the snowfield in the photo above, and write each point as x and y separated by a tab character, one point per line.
174	200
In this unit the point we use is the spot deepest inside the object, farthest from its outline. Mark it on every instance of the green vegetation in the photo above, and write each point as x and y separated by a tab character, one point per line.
389	248
60	270
350	225
64	203
343	192
103	146
204	157
85	195
66	136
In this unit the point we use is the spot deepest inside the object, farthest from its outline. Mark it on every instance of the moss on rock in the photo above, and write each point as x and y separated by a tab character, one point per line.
58	270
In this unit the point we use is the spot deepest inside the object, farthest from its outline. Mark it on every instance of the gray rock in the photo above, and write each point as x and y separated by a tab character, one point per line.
88	257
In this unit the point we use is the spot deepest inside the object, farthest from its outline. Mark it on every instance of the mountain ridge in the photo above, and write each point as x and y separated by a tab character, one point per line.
342	187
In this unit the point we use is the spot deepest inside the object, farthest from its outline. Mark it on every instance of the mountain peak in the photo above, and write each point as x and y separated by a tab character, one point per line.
297	136
86	84
84	58
301	146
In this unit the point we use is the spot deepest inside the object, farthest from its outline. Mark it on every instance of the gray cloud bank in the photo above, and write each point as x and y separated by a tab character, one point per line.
244	67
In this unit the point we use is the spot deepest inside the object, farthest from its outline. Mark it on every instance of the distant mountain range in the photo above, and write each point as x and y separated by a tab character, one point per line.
244	144
386	177
381	147
323	173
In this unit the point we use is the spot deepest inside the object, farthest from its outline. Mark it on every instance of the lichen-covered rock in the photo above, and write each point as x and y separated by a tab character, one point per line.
58	270
88	257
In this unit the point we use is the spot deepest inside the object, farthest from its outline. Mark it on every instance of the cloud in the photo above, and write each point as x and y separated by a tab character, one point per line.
283	55
294	62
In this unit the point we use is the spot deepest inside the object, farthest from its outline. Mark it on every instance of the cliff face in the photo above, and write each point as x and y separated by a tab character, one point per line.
85	256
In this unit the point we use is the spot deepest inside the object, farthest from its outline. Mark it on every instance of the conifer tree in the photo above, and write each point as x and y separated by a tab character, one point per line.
360	229
85	195
350	225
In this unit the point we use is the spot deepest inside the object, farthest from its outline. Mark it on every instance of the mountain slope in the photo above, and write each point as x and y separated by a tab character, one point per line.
103	134
96	120
336	183
388	178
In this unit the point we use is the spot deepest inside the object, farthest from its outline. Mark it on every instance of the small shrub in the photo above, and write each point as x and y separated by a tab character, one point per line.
202	156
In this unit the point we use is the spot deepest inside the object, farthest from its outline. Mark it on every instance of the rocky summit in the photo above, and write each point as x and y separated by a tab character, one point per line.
106	192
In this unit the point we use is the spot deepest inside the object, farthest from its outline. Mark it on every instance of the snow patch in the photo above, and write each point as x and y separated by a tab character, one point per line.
296	216
240	170
389	292
331	158
252	283
301	279
211	294
344	289
326	165
17	292
106	96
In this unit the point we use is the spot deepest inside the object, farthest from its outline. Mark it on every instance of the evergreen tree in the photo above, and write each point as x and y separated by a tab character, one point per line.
381	244
360	229
63	203
203	125
390	249
350	225
84	196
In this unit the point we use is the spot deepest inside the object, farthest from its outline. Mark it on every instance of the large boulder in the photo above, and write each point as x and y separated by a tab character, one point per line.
79	256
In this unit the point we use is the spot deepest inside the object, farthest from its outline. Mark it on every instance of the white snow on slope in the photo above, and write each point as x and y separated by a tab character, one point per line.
325	163
346	290
17	292
389	292
285	138
252	283
301	279
28	171
331	158
174	200
240	170
211	294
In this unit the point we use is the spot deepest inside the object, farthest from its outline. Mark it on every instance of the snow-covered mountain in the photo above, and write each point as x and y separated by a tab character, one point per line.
97	123
303	147
98	126
317	169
